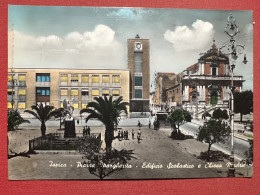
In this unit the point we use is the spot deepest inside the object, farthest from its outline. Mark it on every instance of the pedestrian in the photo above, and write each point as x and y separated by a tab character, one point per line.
88	131
126	135
139	124
149	124
139	136
119	135
77	121
84	131
133	134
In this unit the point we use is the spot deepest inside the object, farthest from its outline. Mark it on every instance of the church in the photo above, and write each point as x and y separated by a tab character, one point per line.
206	83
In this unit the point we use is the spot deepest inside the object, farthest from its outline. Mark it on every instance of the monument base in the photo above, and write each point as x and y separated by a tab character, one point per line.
70	131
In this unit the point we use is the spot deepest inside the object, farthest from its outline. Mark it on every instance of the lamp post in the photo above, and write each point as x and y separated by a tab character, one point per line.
233	50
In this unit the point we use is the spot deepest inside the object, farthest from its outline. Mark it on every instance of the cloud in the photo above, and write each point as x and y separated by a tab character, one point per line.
127	13
91	49
197	38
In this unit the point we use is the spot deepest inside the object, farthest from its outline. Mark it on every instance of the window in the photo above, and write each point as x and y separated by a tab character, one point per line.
21	105
83	106
9	105
138	93
42	77
64	92
84	92
74	92
10	92
116	92
22	98
84	78
116	79
42	91
22	83
95	92
105	92
10	77
95	78
138	81
74	78
138	60
21	92
105	79
21	77
64	78
75	105
214	71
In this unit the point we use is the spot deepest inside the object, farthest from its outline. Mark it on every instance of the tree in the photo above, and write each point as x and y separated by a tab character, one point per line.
108	112
60	113
15	119
213	132
243	103
220	114
249	154
42	113
213	100
187	115
102	163
177	117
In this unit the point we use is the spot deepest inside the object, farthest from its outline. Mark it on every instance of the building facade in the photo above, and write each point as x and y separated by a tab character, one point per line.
206	83
27	87
164	80
139	66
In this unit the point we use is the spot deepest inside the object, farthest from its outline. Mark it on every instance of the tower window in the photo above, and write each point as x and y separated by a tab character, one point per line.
138	93
138	60
138	81
214	71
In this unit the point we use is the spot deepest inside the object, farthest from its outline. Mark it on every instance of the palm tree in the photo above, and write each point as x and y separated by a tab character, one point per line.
42	113
15	119
108	112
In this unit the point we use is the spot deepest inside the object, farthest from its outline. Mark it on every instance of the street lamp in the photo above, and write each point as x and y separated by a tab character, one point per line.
233	50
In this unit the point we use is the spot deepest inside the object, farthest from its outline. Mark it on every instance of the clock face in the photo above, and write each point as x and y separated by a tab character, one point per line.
138	46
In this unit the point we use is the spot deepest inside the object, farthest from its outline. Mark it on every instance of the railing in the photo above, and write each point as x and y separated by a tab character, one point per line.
220	77
39	141
54	139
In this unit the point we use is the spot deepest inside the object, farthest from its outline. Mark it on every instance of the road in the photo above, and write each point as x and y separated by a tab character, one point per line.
240	146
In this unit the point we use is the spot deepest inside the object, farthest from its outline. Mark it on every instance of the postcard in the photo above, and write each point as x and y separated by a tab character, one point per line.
111	93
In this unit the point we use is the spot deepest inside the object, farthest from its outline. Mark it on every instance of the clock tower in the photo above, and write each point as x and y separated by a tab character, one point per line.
139	66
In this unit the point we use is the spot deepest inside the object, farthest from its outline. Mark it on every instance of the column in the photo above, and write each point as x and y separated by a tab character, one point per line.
203	93
186	93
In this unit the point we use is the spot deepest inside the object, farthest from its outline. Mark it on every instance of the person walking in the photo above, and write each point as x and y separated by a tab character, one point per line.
88	132
139	136
133	134
126	134
138	124
84	131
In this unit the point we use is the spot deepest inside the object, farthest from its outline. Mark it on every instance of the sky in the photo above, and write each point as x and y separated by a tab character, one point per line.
96	37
